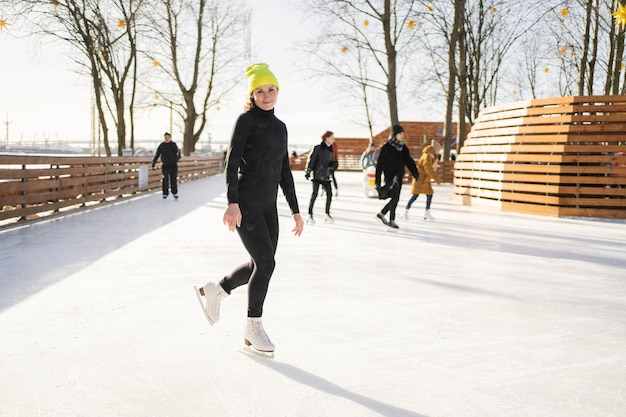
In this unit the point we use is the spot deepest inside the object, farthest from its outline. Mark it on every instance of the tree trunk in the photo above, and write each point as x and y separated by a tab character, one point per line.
617	68
121	124
585	46
452	75
461	127
391	64
594	47
608	83
191	116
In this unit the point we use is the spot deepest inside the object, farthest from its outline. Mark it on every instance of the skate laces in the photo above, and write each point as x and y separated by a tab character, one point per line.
213	305
259	333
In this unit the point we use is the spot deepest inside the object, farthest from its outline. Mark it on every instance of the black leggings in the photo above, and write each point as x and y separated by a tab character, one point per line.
259	234
329	195
390	207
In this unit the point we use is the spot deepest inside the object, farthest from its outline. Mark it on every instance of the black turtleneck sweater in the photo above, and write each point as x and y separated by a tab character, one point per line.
258	148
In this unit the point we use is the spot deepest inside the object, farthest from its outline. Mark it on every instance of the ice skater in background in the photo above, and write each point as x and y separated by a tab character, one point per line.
320	164
256	165
170	155
369	157
427	167
394	156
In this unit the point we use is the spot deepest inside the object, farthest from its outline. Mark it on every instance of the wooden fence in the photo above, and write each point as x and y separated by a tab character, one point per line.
32	187
556	157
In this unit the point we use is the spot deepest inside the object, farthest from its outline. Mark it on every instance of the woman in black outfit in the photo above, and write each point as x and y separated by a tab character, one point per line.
256	164
321	164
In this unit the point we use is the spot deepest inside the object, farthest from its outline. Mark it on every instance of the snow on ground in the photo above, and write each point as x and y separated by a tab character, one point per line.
478	314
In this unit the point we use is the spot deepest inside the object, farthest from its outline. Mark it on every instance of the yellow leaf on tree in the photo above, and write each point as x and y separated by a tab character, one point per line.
494	9
3	23
429	9
546	70
411	24
344	49
564	12
121	23
366	23
155	63
55	3
620	16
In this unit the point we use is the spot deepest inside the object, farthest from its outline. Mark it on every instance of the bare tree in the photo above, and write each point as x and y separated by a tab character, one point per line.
351	68
103	37
479	36
616	56
456	33
196	46
116	48
362	43
492	29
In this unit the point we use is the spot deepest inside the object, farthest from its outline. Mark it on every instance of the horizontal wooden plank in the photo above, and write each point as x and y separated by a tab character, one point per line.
609	139
556	102
593	202
540	121
536	209
554	189
562	129
605	213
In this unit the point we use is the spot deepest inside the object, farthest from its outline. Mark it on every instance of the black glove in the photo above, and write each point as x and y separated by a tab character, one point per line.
307	175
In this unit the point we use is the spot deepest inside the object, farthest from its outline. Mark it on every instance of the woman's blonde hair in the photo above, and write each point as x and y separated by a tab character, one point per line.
249	103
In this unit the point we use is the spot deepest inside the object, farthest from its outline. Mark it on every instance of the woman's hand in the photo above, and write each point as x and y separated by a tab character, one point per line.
232	216
297	230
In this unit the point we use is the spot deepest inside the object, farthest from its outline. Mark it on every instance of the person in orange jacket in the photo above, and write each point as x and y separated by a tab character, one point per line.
427	167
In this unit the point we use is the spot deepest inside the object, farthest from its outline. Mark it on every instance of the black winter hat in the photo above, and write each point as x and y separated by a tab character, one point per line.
395	130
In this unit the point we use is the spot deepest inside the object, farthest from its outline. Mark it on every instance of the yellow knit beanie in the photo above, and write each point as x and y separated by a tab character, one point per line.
259	75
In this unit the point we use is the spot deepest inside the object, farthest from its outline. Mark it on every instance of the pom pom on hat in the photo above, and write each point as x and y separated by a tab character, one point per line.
259	75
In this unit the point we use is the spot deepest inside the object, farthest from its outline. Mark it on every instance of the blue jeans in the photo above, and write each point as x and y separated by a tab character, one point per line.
429	199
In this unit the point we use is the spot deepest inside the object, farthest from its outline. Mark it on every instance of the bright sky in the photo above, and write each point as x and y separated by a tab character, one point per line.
42	98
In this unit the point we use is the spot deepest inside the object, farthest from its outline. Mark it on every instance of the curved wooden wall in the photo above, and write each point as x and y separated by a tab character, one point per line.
557	157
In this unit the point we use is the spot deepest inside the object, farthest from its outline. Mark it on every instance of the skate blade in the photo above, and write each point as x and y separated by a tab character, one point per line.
197	291
249	350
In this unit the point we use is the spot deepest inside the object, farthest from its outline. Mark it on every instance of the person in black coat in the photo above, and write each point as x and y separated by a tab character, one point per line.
170	155
394	156
322	166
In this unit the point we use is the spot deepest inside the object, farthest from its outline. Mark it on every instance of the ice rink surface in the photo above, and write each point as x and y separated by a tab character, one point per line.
477	314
